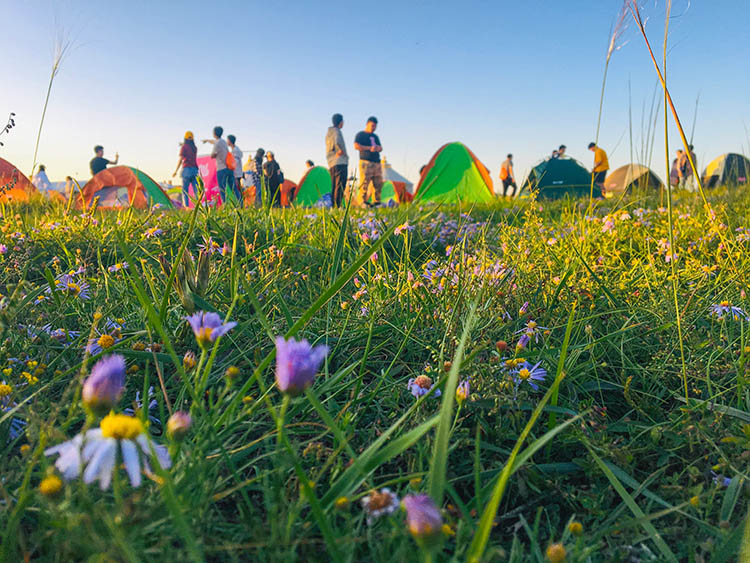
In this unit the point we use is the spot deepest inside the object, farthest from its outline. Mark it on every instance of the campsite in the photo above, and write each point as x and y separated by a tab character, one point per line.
335	288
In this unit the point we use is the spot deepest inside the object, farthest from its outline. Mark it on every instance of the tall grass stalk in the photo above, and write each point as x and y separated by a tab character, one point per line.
62	46
612	46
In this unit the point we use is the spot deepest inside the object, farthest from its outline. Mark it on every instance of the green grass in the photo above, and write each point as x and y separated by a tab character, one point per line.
608	440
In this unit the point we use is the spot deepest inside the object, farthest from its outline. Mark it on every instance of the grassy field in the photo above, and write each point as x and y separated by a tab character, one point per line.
607	412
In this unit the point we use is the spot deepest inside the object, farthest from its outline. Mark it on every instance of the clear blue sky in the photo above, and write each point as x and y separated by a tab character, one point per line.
520	76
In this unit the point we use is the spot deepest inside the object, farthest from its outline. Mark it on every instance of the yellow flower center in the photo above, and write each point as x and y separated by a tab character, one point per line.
532	325
121	427
106	341
204	335
74	288
5	390
724	303
524	374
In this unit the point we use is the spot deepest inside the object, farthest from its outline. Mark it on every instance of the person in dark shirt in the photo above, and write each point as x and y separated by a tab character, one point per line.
189	163
99	163
274	179
370	169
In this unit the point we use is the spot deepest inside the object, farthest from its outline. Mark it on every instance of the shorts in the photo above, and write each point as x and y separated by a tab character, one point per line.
599	177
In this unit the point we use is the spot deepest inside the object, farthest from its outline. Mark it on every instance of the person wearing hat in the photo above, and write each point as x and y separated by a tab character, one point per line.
188	161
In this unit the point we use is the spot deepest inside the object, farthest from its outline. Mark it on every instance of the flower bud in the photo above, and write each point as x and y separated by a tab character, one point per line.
51	486
178	425
423	518
296	364
103	388
556	553
189	360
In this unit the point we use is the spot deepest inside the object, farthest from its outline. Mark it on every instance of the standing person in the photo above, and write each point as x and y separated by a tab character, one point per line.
675	174
255	172
337	157
507	176
274	179
601	165
40	181
188	160
561	151
370	170
99	163
237	154
224	174
69	186
687	172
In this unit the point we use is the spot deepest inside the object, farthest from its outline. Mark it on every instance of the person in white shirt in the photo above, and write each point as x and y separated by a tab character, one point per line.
237	154
40	181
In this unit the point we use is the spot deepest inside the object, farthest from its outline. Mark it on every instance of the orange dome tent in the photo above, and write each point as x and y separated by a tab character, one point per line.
123	186
14	186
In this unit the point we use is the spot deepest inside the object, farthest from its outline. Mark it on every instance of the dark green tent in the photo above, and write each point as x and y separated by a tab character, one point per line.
728	169
559	177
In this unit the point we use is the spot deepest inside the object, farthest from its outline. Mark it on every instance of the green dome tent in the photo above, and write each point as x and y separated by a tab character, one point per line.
314	184
555	178
729	168
455	175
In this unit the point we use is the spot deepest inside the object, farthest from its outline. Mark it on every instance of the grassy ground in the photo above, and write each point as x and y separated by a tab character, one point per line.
644	439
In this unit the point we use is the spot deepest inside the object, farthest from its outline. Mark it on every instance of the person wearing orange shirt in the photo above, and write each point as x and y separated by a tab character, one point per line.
601	165
507	176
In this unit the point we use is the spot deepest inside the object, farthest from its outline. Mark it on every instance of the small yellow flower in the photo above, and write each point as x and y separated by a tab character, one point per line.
695	501
247	399
133	368
31	379
5	390
31	364
415	482
342	502
447	530
344	305
232	372
106	341
25	449
51	486
7	372
139	346
556	553
576	528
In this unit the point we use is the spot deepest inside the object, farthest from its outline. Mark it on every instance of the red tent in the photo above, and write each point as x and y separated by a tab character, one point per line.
14	186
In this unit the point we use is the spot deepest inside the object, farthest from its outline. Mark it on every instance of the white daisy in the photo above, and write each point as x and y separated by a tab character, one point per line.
97	450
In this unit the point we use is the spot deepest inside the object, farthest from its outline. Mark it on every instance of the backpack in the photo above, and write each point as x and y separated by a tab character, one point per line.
229	161
504	171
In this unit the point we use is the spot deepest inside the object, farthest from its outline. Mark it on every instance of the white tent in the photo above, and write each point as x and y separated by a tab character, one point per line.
390	174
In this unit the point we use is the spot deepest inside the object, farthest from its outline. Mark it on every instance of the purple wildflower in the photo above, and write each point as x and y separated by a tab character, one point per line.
423	518
207	327
103	388
724	308
462	391
296	364
421	386
528	373
117	267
